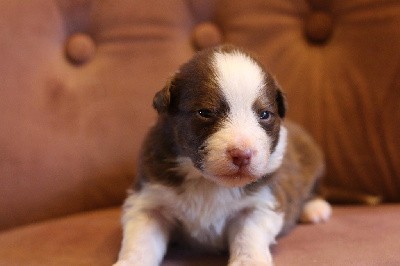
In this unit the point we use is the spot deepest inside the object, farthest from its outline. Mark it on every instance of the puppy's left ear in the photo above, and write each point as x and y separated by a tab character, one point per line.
281	103
162	99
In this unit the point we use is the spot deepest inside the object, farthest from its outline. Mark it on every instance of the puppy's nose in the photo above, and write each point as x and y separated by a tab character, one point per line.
240	157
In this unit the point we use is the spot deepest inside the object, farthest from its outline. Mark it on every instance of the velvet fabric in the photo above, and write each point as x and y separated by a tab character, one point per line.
78	78
354	236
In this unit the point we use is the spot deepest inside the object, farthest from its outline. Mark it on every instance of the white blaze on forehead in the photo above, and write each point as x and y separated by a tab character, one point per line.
240	78
241	81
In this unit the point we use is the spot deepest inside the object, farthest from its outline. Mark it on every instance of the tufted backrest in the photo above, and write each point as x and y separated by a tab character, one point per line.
339	62
78	77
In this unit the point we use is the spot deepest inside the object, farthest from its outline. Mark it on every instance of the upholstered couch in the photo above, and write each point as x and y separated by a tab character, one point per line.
77	81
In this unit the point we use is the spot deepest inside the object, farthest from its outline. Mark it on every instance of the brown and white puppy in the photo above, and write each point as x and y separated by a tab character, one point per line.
220	168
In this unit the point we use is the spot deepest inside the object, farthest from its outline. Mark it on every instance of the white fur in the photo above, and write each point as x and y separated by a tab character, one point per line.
144	234
205	211
251	235
315	211
241	80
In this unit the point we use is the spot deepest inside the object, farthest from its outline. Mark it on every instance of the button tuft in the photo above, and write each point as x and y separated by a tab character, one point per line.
206	35
319	27
80	48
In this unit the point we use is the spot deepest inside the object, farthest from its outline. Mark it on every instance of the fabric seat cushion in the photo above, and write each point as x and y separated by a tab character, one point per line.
354	236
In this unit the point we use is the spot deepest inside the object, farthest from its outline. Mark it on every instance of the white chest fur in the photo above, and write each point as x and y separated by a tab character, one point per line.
202	208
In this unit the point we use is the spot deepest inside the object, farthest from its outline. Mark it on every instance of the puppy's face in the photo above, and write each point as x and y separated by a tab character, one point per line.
226	115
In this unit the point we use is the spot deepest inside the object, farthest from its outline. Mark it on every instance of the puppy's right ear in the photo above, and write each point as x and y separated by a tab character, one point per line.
162	99
282	104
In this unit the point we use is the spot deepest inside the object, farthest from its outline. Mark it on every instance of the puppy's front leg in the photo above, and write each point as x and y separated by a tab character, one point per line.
145	238
251	234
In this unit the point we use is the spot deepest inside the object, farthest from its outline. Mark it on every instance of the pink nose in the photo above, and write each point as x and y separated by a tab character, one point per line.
240	157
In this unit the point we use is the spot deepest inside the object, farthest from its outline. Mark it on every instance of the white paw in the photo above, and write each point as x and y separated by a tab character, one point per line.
316	211
122	263
248	261
135	262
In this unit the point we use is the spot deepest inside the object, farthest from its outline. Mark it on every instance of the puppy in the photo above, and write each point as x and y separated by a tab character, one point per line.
220	169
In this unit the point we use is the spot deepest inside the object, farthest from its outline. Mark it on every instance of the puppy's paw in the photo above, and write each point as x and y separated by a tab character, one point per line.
246	261
316	211
122	263
134	262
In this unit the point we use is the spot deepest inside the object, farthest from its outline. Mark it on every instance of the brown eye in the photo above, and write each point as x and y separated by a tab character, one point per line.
206	113
265	115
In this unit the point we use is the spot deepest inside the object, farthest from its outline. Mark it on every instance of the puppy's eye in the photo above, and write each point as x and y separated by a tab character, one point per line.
265	115
206	113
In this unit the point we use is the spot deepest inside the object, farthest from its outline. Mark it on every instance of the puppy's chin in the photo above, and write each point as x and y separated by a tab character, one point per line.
218	167
239	178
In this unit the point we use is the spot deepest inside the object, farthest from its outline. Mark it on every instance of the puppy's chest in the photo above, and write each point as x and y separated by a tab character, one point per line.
203	211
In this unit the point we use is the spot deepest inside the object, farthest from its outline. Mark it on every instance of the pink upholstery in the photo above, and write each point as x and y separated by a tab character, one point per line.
77	81
354	236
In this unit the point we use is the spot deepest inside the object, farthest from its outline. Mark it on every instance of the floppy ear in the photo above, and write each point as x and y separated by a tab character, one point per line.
162	99
281	102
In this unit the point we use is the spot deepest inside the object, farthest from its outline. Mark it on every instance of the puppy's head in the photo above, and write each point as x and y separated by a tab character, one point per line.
226	113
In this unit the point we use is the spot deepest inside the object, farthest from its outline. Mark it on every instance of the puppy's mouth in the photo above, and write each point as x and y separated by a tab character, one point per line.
235	177
233	167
